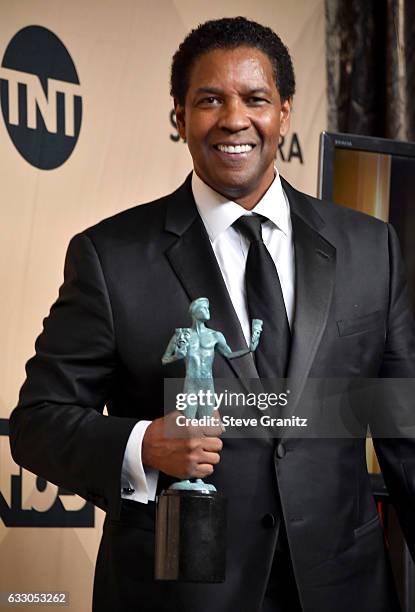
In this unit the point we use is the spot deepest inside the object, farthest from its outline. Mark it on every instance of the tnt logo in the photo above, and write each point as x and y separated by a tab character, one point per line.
29	501
40	97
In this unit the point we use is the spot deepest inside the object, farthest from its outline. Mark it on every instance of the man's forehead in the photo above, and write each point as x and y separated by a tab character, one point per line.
236	57
248	66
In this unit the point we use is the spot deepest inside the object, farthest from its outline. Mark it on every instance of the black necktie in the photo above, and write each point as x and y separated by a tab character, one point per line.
265	301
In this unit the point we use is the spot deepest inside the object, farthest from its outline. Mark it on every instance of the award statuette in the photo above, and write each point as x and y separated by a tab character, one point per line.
191	515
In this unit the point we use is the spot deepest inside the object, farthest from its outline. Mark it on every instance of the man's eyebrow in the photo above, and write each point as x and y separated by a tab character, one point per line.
211	90
246	92
259	90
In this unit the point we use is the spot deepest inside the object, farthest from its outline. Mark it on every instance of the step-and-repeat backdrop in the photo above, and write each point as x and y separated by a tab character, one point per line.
87	129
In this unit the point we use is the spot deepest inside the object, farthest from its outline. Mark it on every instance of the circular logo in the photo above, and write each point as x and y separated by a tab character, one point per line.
40	97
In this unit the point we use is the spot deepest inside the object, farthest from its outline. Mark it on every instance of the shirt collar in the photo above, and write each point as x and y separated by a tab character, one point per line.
218	213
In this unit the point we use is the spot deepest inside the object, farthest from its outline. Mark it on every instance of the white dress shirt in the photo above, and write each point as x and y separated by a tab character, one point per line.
231	250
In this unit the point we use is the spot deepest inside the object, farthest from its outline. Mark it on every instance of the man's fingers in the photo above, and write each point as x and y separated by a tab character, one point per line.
212	458
177	427
203	470
212	431
212	444
192	457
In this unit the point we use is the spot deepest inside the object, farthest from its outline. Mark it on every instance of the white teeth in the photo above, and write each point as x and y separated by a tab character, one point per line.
245	148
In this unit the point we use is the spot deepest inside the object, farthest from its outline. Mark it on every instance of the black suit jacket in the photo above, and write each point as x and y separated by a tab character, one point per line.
128	284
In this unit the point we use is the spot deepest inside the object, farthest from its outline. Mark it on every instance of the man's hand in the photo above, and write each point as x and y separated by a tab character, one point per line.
192	456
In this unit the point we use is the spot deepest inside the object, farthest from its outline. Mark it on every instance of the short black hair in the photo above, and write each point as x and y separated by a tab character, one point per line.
230	33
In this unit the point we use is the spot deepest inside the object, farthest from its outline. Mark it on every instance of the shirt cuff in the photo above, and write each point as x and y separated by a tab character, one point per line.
138	483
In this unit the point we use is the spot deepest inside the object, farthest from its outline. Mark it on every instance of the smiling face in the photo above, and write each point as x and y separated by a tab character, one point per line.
232	120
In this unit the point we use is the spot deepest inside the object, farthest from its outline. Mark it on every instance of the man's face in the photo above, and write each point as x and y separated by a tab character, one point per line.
232	120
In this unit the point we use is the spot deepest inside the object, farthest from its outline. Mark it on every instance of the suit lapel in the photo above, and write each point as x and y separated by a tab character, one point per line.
193	261
315	260
192	258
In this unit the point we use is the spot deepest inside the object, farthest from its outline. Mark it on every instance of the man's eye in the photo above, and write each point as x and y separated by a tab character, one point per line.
210	100
256	100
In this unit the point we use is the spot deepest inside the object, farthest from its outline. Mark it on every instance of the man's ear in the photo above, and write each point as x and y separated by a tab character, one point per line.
180	118
285	116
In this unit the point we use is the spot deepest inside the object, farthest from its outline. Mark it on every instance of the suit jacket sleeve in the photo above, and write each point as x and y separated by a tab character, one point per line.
397	455
58	430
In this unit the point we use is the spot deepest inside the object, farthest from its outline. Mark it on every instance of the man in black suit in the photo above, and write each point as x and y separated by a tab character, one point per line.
303	529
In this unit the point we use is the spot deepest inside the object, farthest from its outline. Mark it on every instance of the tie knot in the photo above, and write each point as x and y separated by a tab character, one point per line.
250	227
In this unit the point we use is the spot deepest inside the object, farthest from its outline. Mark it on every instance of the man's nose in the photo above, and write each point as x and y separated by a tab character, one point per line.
233	116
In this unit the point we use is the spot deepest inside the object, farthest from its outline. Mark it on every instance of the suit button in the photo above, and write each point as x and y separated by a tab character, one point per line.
281	451
268	521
